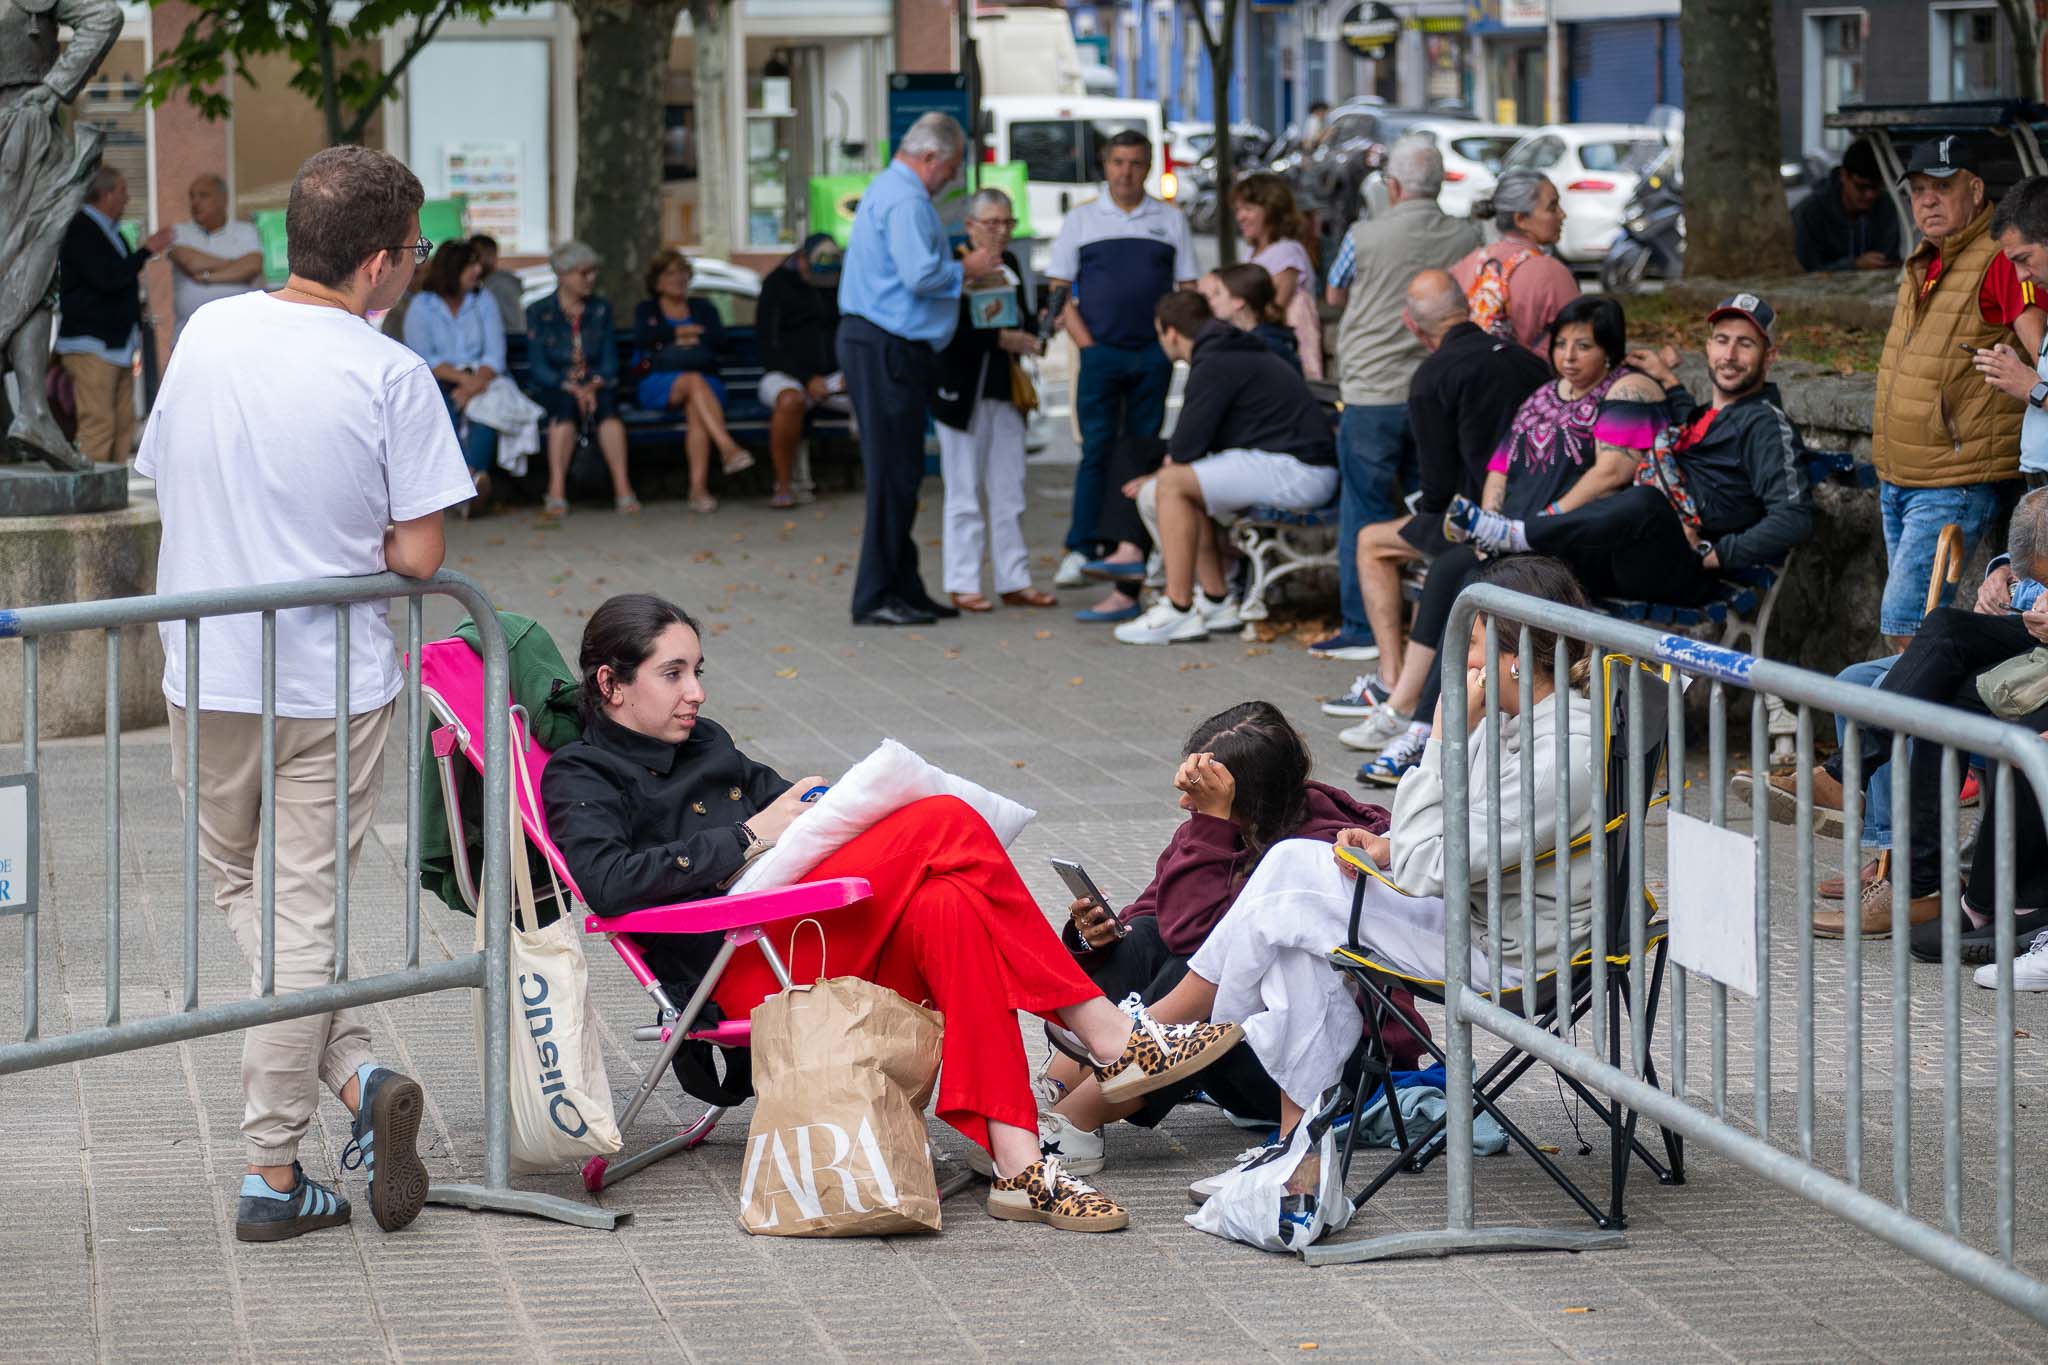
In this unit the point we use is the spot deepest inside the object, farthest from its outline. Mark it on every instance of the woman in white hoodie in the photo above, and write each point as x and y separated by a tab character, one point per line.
1266	966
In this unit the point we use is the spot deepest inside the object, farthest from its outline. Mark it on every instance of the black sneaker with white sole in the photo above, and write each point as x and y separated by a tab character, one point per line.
1978	945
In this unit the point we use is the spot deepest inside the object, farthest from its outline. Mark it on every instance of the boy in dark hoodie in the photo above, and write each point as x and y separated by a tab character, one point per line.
1244	781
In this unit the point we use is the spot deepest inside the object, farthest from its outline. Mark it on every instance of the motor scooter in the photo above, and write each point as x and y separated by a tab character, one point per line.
1652	240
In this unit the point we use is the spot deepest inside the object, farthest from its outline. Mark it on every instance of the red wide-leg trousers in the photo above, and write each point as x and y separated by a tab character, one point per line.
949	925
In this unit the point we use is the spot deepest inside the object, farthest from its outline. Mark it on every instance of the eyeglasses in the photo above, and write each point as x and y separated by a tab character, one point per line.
420	250
995	222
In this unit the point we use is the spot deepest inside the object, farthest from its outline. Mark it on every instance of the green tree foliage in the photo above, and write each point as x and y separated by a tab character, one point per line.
328	53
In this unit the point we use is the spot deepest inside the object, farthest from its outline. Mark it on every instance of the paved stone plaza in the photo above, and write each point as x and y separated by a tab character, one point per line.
118	1179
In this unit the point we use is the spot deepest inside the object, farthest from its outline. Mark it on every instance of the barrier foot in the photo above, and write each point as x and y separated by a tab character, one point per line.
534	1205
1452	1242
953	1176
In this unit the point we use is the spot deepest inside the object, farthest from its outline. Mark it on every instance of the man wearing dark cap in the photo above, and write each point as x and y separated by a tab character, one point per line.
1942	439
1725	489
1848	222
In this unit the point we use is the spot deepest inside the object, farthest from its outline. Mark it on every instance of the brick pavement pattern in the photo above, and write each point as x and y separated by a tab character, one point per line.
118	1176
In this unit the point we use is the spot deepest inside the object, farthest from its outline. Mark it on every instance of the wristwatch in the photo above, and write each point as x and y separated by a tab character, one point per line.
2038	395
1703	549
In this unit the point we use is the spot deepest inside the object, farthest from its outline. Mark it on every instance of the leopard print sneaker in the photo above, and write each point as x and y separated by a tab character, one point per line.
1160	1054
1044	1193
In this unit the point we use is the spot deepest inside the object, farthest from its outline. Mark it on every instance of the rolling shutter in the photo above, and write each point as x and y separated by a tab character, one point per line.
1614	71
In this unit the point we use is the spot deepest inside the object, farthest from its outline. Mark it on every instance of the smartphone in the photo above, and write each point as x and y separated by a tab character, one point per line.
1967	350
1055	304
813	794
1084	889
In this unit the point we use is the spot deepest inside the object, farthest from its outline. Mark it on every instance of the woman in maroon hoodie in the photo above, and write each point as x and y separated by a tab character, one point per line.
1244	781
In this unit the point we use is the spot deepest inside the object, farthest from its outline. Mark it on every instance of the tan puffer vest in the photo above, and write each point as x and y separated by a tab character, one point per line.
1937	424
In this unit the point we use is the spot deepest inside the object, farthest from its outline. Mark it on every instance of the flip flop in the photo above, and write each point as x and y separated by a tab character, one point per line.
971	601
1029	597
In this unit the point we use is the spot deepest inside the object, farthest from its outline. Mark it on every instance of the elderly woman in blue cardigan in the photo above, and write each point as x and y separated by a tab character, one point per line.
573	351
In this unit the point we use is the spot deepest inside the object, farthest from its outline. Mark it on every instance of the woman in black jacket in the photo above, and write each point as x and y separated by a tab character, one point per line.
981	425
796	322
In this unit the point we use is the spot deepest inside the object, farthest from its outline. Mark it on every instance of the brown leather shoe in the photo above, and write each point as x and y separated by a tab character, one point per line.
1780	794
1880	866
1877	912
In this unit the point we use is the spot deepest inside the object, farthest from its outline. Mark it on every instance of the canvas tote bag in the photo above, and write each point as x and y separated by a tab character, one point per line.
561	1097
838	1146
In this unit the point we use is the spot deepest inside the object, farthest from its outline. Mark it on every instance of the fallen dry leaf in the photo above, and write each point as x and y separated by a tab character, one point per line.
782	649
785	673
1042	635
952	653
1016	762
789	526
1256	650
495	540
1073	682
554	592
914	636
1191	667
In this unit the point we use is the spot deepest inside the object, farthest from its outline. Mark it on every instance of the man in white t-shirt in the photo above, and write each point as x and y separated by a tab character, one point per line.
292	440
212	257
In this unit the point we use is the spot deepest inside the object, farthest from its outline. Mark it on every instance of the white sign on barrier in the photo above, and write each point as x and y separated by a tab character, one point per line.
17	843
1713	902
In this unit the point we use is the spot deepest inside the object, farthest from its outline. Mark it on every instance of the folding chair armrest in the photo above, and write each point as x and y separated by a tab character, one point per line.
734	912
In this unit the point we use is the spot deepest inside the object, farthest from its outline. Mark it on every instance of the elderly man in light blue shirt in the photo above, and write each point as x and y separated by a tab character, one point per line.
899	296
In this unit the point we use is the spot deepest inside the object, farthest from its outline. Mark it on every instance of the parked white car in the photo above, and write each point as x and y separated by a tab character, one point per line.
1473	156
1595	167
733	287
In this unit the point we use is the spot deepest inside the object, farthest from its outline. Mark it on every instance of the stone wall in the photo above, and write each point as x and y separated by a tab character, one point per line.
81	559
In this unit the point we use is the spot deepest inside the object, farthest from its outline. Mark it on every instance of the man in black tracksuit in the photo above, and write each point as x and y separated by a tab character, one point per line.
1847	222
1741	475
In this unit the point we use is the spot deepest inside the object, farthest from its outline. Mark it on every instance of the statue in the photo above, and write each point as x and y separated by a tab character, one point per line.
43	177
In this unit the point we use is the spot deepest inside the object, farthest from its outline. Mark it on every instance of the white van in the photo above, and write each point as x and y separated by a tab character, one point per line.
1027	50
1059	139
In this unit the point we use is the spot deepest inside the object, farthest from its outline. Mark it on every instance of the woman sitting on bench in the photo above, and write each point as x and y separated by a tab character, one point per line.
656	805
1274	943
678	339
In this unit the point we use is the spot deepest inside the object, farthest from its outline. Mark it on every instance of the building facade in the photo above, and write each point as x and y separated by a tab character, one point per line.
1883	52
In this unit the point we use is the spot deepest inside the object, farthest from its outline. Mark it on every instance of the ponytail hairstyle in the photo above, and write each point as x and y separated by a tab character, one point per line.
1517	192
1270	764
1547	578
1251	286
621	636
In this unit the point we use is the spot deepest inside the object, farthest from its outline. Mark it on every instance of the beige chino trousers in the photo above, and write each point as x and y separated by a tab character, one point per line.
283	1063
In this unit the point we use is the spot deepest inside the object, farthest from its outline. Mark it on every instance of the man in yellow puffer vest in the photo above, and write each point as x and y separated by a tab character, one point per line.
1942	439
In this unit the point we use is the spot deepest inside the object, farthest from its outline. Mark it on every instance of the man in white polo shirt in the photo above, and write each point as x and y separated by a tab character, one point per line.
212	256
292	440
1119	253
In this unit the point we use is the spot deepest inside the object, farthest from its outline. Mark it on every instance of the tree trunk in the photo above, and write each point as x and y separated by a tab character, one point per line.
619	99
2024	19
715	139
1736	223
1222	60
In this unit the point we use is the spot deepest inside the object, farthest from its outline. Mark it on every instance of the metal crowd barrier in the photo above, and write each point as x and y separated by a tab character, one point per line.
486	970
1787	1158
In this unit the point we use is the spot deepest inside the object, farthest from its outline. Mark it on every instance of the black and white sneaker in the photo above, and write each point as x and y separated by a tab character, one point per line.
1365	695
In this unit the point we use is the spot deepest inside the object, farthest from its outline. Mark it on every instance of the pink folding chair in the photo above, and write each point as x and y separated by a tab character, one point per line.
452	681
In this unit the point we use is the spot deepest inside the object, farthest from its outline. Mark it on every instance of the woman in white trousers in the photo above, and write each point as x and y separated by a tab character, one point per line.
1265	966
981	427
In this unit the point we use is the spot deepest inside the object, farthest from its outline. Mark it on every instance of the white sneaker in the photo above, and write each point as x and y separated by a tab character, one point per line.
1381	727
2029	969
1218	616
1069	574
1164	624
1201	1191
1079	1150
1352	654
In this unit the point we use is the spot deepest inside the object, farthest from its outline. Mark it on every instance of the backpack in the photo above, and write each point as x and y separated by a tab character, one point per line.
1486	298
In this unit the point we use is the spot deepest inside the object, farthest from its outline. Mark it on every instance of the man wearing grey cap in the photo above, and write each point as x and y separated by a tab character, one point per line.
1724	489
1943	440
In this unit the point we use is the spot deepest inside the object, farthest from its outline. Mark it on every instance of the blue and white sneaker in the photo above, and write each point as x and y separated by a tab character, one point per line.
1466	520
384	1143
267	1215
1365	694
1396	759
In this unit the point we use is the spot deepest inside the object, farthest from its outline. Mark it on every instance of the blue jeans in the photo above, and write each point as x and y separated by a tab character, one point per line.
479	442
1376	458
1121	392
1877	788
1913	518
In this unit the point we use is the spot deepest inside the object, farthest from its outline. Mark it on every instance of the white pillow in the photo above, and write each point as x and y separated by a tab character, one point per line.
881	784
